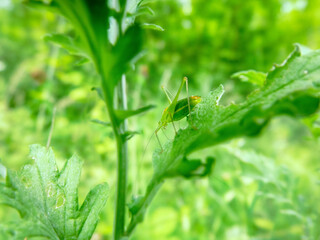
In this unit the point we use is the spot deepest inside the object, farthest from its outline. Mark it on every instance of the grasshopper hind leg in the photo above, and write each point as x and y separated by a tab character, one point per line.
189	108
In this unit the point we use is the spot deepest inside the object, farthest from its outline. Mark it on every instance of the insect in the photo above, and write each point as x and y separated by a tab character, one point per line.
177	109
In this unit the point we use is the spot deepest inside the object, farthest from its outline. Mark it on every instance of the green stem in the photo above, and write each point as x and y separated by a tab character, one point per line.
152	189
118	129
121	190
119	221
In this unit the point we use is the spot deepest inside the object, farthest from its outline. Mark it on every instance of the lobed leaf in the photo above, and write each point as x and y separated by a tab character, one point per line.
251	76
291	88
47	199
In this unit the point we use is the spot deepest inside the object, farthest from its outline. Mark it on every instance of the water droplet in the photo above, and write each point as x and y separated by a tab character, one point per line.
26	182
51	190
305	72
60	201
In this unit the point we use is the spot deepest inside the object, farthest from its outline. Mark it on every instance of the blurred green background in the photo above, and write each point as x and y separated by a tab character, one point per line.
266	187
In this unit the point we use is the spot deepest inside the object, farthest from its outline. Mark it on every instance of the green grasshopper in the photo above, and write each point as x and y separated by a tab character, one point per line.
178	109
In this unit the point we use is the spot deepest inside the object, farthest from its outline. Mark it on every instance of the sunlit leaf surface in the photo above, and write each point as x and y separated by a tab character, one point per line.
47	199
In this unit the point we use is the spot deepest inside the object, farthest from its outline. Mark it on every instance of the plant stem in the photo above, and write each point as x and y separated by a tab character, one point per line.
122	148
122	158
152	189
119	221
119	128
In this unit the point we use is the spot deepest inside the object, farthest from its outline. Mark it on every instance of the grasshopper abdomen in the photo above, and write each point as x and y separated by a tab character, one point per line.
182	108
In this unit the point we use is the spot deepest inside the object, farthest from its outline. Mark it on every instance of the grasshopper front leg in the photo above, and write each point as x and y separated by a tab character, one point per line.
156	133
174	127
187	87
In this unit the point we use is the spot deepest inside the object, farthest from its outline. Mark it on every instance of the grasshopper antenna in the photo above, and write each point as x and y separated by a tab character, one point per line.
145	149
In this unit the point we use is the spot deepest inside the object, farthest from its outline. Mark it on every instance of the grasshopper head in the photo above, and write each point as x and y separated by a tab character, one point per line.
194	100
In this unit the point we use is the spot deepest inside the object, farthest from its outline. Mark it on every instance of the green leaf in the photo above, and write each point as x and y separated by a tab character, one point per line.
81	62
90	19
292	213
99	92
152	27
106	124
4	232
3	170
303	49
124	114
130	134
41	5
135	204
192	168
123	53
289	89
257	166
67	43
313	123
90	211
47	198
252	76
142	11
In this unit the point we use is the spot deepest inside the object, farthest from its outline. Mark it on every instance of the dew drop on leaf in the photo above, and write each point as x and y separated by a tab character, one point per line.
60	200
50	190
26	182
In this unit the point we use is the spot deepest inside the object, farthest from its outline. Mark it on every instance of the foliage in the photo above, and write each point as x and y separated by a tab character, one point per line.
268	200
248	193
291	88
47	199
90	20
